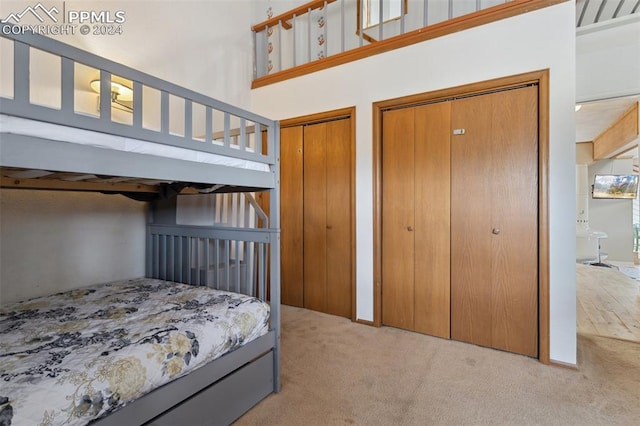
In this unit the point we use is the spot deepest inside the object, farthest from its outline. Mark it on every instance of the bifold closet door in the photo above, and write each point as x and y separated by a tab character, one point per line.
416	219
316	236
494	220
315	217
398	217
339	233
326	212
433	216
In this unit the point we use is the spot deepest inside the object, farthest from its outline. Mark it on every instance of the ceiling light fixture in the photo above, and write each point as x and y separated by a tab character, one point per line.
578	107
119	93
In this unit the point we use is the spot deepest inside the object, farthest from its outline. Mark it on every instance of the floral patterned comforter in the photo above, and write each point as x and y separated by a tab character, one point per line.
79	355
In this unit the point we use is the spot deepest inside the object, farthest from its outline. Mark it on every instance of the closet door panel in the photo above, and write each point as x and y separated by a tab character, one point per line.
291	217
398	218
471	221
315	217
515	212
495	225
338	226
432	219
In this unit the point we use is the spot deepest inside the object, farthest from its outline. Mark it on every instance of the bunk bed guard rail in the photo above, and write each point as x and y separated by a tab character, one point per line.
206	124
230	259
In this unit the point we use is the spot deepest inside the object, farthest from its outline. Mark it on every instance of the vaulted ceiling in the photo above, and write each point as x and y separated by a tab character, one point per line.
595	117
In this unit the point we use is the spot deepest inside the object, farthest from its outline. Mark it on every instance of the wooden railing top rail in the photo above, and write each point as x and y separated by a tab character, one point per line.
287	16
464	22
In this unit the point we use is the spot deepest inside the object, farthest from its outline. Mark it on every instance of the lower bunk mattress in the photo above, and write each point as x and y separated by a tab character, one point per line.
77	356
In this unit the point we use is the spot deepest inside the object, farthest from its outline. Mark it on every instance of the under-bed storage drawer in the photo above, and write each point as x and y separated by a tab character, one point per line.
227	399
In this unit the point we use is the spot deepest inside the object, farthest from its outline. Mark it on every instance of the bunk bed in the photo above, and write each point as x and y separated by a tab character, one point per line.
224	149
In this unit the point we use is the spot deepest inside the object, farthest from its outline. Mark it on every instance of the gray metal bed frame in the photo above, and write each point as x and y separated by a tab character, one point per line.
224	389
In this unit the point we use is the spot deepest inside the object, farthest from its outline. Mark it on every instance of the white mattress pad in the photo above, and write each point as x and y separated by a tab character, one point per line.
40	129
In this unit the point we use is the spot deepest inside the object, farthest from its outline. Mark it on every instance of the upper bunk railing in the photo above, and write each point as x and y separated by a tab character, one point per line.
46	80
326	33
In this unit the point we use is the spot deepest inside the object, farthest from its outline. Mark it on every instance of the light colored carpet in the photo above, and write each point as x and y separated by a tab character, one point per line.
336	372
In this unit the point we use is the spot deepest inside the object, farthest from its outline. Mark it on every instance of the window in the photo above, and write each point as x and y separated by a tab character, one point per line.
391	9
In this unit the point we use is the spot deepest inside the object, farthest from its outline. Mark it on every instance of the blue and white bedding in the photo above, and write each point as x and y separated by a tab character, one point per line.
79	355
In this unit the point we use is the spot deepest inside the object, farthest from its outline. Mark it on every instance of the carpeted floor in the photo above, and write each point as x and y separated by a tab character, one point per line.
336	372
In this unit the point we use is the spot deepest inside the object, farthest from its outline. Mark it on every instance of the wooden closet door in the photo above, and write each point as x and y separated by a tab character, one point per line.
494	202
317	234
398	220
338	225
315	217
432	260
415	219
291	216
327	217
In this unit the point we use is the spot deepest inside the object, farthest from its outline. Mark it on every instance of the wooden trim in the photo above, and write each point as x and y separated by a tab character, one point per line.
464	90
286	16
471	20
366	37
616	137
542	79
377	214
543	218
354	272
365	322
337	114
584	153
62	185
319	117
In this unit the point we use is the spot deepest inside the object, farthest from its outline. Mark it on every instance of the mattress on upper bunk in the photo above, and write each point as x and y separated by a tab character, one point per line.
41	129
79	355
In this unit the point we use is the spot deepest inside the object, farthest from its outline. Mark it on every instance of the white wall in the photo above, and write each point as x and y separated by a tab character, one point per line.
52	241
203	45
608	59
533	41
615	217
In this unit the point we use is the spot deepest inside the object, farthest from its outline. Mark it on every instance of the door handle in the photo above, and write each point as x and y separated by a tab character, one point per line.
495	231
409	228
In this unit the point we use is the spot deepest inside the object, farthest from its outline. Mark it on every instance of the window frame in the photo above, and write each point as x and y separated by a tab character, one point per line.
358	27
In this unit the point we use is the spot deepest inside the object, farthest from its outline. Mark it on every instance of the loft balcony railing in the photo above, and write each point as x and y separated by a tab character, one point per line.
320	31
324	33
